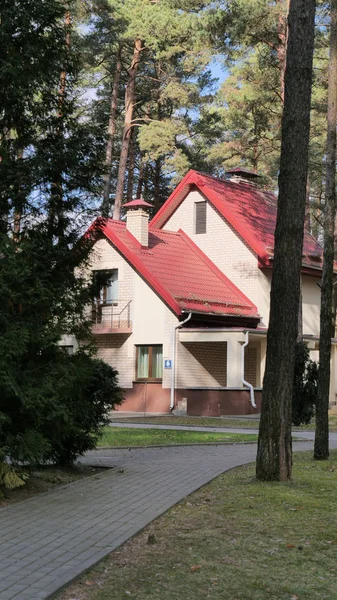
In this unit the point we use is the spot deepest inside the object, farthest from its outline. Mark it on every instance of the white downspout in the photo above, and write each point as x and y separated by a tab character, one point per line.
249	385
173	373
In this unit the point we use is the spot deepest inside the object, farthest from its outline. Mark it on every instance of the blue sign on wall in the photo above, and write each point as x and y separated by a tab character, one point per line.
168	364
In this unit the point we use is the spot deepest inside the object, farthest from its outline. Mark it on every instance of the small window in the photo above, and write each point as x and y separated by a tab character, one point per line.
108	289
149	363
200	217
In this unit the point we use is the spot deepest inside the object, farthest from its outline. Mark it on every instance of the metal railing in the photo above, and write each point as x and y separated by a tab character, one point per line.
116	315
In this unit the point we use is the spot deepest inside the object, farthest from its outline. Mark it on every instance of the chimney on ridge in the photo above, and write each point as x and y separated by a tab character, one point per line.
137	220
240	175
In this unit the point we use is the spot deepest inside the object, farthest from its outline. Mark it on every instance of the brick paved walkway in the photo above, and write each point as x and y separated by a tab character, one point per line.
48	540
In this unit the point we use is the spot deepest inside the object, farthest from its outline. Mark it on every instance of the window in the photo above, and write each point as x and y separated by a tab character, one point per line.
149	363
108	286
200	217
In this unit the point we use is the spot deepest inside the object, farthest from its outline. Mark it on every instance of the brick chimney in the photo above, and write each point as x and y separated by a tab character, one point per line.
240	175
137	220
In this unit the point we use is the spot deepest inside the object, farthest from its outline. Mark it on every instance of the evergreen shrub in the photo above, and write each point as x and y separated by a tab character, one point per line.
305	386
59	409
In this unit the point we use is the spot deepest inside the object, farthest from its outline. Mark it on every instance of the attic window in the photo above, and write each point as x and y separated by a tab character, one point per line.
200	217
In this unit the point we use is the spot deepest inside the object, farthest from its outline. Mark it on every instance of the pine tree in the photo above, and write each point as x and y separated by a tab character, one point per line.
321	450
48	176
274	456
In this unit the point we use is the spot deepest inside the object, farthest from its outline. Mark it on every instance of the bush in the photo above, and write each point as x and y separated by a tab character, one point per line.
10	478
87	399
58	410
305	386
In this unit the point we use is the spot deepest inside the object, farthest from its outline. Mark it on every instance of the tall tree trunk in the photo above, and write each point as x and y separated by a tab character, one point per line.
55	206
274	455
130	94
63	76
18	208
140	180
157	174
321	449
111	135
282	34
131	166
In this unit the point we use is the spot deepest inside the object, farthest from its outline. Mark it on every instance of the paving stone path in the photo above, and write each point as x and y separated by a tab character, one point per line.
49	539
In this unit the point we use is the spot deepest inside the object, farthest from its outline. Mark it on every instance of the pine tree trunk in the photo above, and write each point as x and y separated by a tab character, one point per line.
18	208
140	180
111	135
274	456
130	93
321	449
63	76
157	174
55	216
131	167
282	34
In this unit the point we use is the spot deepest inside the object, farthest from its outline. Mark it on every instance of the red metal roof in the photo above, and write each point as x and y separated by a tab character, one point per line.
249	210
184	277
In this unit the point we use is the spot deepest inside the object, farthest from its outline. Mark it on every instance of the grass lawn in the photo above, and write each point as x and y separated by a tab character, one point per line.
114	436
235	539
213	422
191	421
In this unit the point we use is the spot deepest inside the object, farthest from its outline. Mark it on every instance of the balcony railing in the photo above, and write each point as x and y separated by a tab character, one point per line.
110	318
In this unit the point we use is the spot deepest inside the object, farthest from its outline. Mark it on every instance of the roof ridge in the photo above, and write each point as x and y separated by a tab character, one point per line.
203	174
111	220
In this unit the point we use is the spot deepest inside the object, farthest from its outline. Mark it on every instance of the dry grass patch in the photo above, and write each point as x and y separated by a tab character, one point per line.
235	539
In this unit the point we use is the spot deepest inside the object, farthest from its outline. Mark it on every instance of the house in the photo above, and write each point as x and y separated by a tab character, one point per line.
184	308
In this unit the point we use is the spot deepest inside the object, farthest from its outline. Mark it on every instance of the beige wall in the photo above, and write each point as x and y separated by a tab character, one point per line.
311	297
191	372
201	364
253	364
152	321
214	359
263	304
333	375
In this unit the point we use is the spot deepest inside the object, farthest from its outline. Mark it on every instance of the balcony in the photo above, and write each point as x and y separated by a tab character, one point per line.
112	318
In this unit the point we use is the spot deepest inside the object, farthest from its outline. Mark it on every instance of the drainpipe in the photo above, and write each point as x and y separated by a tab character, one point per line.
173	373
249	385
